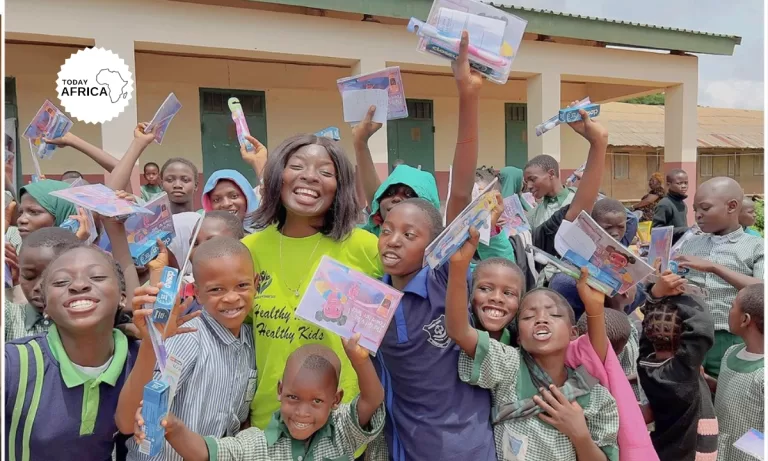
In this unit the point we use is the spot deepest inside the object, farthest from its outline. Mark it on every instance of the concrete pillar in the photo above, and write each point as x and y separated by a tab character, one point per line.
117	134
543	102
680	143
378	142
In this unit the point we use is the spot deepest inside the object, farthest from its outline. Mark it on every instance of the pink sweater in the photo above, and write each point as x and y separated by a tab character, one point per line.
634	441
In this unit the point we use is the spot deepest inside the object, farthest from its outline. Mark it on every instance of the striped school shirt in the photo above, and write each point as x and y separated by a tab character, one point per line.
217	382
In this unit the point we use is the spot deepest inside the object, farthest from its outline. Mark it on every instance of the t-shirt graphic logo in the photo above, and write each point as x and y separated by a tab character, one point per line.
265	280
436	332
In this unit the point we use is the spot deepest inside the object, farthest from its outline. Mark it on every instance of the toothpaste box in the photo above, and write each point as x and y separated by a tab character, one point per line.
571	114
156	394
167	296
144	252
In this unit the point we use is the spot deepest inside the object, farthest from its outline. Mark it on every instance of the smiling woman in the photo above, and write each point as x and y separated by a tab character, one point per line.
309	210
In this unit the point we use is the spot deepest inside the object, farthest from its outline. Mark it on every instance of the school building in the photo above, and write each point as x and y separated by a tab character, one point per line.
282	59
730	143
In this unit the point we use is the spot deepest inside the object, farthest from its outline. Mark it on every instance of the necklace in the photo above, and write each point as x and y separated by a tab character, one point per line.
295	291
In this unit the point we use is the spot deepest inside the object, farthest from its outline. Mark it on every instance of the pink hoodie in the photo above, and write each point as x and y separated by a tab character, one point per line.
634	440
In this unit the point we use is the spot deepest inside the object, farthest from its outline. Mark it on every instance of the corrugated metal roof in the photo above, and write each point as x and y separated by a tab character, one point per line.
643	126
510	6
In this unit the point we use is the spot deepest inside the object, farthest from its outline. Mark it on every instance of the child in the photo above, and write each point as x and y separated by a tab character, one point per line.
39	209
179	180
747	217
677	333
672	210
152	176
218	375
497	286
402	183
739	401
71	175
229	190
723	260
515	378
62	387
542	177
218	224
311	422
39	249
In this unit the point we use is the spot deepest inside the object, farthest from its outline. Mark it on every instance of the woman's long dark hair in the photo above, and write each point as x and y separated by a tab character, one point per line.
340	219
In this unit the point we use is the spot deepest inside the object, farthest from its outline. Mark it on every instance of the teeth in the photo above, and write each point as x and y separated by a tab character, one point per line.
301	425
307	192
494	313
232	311
81	304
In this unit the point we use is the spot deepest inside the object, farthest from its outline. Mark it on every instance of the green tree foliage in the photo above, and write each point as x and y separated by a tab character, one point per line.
650	100
760	216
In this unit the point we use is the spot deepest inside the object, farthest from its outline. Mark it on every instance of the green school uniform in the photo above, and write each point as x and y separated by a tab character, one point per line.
336	441
500	369
739	403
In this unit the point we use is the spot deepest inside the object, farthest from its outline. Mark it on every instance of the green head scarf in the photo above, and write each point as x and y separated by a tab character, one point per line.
422	183
58	207
511	179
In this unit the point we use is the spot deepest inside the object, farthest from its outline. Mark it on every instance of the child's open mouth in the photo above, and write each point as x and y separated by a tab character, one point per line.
232	313
494	312
389	258
541	333
81	305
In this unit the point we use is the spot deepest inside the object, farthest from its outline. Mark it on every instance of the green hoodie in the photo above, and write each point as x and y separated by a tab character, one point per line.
422	183
59	208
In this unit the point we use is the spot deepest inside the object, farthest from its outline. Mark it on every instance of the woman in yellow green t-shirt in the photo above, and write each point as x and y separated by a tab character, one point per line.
309	209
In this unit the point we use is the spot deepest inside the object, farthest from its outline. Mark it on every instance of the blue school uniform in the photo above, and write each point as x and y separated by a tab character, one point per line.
431	413
52	411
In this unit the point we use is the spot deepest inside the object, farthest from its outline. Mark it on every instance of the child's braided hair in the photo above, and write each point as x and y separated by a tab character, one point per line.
663	325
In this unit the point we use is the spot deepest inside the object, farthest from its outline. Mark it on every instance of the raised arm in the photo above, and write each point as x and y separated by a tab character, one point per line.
122	254
594	303
361	133
371	391
256	159
589	187
456	296
465	156
120	179
103	158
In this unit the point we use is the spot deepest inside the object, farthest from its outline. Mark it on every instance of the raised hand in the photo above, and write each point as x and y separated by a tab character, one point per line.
591	130
464	255
83	232
146	296
157	265
363	131
594	301
64	141
468	81
10	213
259	151
498	209
141	136
356	353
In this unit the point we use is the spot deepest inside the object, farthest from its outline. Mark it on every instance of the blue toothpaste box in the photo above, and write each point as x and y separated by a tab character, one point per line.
167	296
144	252
156	394
571	114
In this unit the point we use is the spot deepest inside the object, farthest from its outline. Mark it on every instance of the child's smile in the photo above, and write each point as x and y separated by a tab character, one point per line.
495	296
309	181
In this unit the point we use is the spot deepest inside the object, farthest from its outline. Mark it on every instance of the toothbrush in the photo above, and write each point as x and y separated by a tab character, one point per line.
425	30
242	127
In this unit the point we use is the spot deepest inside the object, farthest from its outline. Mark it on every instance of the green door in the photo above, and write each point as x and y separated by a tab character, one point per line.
12	111
412	140
516	131
220	147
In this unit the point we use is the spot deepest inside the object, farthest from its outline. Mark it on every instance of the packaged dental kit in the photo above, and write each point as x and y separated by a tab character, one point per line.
568	115
494	35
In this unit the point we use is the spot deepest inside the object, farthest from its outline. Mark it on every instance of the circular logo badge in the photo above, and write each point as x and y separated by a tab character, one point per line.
94	85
